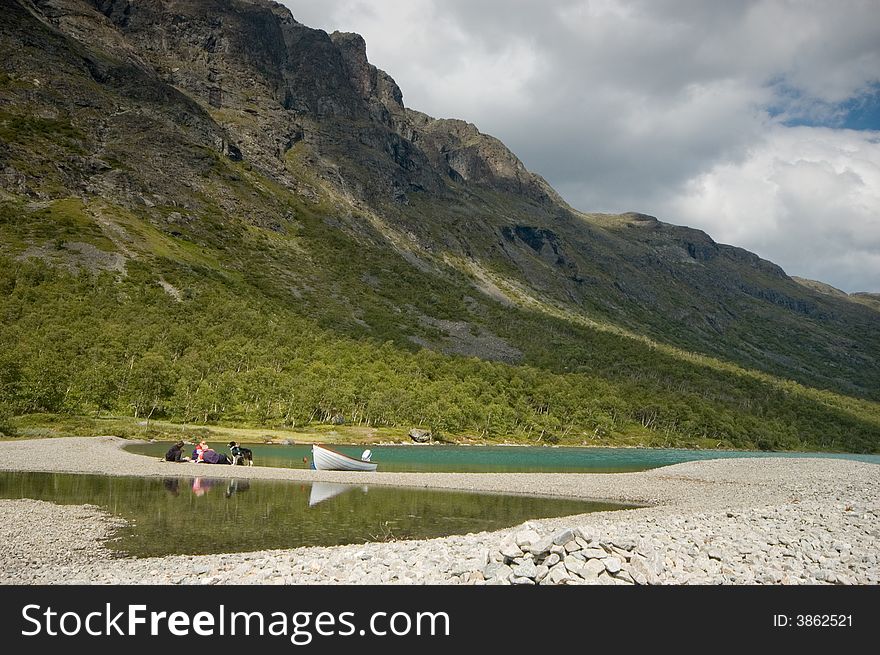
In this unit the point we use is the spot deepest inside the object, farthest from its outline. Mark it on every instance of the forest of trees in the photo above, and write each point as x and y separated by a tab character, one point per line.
97	345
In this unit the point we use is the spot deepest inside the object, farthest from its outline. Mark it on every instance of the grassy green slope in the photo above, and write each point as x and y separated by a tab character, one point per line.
240	348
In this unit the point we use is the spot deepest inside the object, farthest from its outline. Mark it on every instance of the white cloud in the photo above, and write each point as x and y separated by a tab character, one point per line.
622	104
440	66
808	196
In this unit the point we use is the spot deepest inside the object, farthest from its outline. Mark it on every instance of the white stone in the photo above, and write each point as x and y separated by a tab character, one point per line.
542	572
641	571
612	564
624	575
573	565
510	550
539	547
494	570
522	581
592	568
605	579
525	537
621	553
586	534
594	553
558	574
525	570
563	537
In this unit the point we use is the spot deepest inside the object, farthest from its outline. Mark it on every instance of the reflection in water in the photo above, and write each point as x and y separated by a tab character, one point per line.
200	486
172	486
195	515
322	491
237	486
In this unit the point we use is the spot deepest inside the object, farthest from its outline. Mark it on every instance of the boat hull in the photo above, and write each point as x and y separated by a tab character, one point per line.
326	459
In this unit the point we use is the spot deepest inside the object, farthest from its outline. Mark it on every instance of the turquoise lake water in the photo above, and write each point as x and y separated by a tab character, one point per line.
500	459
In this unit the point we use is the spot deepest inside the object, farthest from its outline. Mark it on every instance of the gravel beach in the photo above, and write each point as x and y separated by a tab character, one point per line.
730	521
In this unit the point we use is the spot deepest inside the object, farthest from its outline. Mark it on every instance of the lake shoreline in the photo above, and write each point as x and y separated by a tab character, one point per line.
733	521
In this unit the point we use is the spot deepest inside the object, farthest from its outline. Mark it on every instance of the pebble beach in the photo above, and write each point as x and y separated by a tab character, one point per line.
730	521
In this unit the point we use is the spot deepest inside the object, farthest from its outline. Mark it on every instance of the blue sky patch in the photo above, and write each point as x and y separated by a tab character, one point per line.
863	113
794	108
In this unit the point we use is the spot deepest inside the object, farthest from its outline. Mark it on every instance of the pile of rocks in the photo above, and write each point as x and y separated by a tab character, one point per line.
570	557
827	541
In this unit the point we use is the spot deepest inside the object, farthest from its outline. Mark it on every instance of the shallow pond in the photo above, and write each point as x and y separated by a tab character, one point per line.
499	459
200	515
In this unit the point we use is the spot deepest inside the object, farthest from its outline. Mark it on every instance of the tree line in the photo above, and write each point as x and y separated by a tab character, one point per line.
94	344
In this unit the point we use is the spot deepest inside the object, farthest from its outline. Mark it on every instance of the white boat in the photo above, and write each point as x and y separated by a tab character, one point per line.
327	459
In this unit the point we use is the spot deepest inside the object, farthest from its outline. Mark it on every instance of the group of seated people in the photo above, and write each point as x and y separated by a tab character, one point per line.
202	454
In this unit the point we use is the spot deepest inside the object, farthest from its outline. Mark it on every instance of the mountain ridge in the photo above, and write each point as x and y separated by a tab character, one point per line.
198	144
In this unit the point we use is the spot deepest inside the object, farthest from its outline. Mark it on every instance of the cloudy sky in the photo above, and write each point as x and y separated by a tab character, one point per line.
756	121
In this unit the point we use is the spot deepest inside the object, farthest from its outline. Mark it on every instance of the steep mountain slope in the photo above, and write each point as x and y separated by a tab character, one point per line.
180	156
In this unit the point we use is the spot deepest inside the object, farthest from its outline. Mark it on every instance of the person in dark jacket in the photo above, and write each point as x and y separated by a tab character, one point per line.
211	456
175	453
208	455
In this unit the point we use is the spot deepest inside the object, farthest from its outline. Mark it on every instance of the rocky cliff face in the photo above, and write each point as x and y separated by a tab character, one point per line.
271	82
